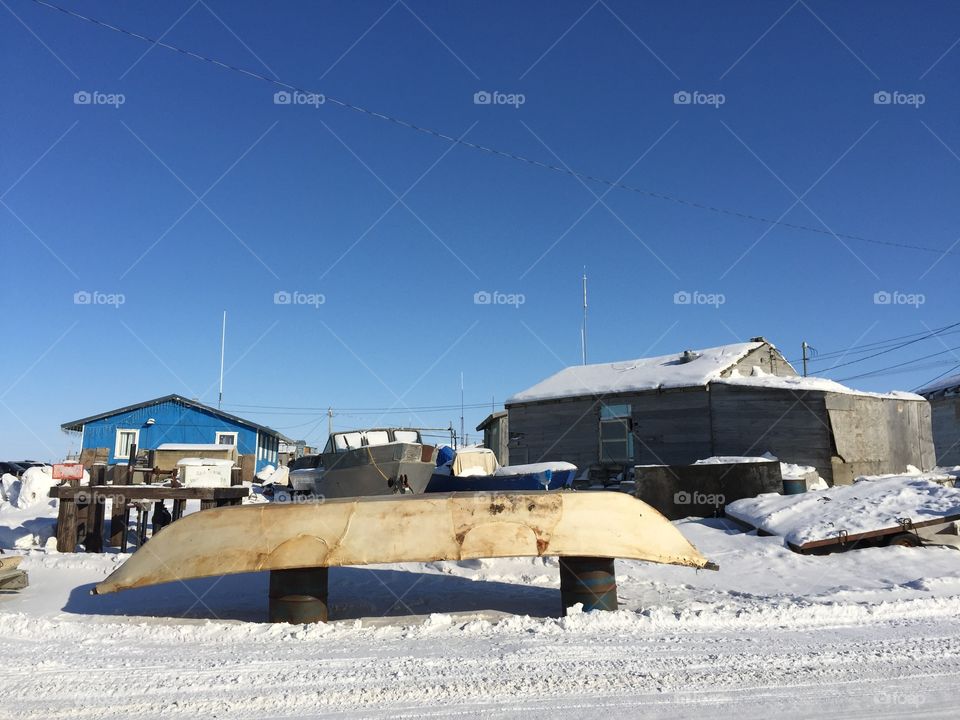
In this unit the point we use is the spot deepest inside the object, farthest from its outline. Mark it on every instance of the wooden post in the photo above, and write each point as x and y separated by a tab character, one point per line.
298	596
67	526
131	462
94	539
119	520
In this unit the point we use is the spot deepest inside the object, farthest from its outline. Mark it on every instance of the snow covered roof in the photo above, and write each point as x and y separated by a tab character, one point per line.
759	378
667	371
688	369
77	425
947	383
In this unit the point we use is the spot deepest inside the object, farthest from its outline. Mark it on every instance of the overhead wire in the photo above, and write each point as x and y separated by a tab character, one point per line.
488	149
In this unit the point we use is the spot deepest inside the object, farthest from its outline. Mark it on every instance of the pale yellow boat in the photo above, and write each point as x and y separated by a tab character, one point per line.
405	528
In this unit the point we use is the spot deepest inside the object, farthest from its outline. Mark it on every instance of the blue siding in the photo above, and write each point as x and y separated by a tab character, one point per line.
176	423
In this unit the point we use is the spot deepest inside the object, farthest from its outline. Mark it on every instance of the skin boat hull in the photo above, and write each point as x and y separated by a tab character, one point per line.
405	528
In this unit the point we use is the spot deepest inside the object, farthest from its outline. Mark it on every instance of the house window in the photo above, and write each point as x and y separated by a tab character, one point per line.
125	440
227	438
616	434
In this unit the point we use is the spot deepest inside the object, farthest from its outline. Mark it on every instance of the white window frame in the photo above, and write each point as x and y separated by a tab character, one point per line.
117	455
236	438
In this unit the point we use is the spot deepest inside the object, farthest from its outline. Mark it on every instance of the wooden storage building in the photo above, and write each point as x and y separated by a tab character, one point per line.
734	400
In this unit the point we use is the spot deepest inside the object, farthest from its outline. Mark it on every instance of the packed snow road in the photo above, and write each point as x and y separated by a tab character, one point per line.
870	633
588	667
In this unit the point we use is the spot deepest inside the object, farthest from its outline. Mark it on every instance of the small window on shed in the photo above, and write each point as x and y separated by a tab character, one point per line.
125	440
616	436
227	438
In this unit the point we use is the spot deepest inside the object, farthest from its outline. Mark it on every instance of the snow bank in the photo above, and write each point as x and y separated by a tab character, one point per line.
9	487
35	484
265	473
862	507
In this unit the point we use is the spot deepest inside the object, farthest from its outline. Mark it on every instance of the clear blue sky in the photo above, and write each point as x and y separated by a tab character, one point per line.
297	189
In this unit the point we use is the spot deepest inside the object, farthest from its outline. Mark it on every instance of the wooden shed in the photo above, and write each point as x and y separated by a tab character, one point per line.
742	399
944	398
496	435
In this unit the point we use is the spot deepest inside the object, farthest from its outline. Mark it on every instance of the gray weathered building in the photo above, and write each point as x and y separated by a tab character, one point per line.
944	398
742	399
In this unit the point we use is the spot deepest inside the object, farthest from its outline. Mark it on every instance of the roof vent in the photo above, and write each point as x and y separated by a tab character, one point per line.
689	356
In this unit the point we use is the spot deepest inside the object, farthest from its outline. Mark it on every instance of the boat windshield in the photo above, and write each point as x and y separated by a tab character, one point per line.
342	442
376	437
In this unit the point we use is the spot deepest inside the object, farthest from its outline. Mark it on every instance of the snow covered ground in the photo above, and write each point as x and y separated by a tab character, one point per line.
870	633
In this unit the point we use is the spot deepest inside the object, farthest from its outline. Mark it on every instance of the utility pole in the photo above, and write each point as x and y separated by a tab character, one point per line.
583	328
329	421
805	347
462	434
223	344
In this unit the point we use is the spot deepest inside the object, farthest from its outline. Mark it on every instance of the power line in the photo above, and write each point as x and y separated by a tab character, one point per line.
883	370
934	379
876	345
490	150
294	410
891	349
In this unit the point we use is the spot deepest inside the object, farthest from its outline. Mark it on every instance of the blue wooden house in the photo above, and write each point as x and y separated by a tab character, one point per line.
174	419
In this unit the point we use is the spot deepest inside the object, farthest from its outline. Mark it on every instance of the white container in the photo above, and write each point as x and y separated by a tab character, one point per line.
204	472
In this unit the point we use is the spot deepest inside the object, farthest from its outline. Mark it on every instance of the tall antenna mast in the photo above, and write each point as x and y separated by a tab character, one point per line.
462	436
223	344
583	328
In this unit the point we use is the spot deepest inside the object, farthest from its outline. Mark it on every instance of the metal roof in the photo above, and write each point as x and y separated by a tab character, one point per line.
77	425
490	418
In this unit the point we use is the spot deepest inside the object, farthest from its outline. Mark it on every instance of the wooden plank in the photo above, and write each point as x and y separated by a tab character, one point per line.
248	466
871	534
151	492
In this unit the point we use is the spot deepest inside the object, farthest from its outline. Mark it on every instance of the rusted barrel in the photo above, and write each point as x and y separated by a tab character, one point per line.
588	580
298	596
